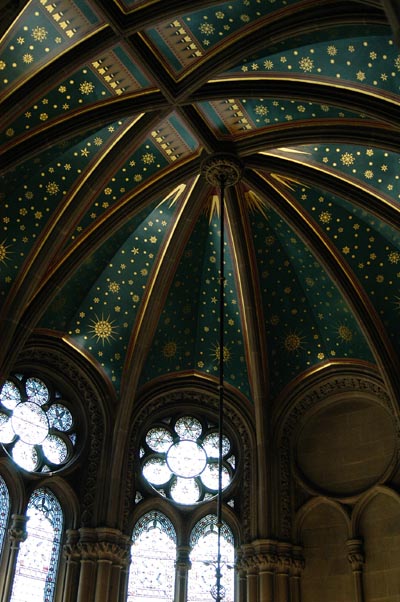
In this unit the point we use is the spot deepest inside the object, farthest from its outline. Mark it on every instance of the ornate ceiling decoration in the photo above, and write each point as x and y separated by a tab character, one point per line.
109	234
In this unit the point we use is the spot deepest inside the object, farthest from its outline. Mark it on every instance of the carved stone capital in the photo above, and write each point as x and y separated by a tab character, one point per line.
355	554
272	556
100	545
182	557
17	531
267	562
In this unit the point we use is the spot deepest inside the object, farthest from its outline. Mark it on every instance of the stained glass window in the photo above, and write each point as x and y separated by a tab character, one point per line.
204	545
36	430
4	510
38	556
180	459
152	570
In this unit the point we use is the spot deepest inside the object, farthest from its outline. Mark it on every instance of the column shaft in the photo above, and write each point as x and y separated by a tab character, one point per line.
16	534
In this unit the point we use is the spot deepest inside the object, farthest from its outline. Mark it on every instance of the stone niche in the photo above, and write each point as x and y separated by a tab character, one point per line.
345	448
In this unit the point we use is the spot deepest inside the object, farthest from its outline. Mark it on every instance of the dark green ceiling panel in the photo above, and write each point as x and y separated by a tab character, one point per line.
39	188
238	116
370	246
106	316
189	36
307	320
372	61
187	338
372	166
41	33
61	313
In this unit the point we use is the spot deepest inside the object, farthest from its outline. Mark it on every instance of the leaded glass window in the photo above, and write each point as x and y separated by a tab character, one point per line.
152	570
180	459
38	556
36	428
204	545
4	510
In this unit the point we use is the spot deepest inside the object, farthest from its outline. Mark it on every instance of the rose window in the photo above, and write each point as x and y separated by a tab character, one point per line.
36	428
180	459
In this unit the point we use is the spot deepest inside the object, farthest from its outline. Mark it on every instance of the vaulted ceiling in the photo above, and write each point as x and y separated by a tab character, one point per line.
110	234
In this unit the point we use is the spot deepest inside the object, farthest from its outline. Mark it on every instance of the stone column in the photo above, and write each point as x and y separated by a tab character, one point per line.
283	569
88	557
248	563
182	567
267	562
120	570
16	534
273	569
105	551
72	556
123	583
355	556
240	578
296	569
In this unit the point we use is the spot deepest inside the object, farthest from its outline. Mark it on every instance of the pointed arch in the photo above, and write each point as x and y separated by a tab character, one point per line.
203	543
38	558
152	570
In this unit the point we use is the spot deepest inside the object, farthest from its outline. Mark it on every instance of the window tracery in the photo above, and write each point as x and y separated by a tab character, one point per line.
203	557
4	510
38	557
179	459
37	430
152	572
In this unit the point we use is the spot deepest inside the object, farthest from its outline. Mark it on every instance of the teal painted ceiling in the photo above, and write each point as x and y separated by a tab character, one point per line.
110	235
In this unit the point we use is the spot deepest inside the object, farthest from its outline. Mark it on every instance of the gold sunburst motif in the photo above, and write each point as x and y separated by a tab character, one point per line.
4	252
170	349
103	329
293	341
216	354
345	333
255	204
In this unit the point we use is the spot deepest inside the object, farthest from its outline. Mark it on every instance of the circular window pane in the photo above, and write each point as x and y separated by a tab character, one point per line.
156	471
60	417
25	455
30	423
6	430
159	439
188	427
210	477
55	449
185	491
186	459
211	445
10	395
37	390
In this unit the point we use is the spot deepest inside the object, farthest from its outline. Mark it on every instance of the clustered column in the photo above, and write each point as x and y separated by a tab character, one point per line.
272	570
97	562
